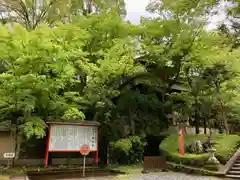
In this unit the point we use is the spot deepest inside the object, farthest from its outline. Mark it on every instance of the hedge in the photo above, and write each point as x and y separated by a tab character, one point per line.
225	145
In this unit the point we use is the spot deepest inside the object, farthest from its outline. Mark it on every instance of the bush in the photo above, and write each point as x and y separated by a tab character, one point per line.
136	153
128	151
225	145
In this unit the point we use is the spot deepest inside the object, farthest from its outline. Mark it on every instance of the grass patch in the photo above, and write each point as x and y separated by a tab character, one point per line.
128	169
190	170
225	145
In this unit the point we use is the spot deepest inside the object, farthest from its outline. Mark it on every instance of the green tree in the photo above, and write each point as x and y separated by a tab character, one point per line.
35	88
182	24
31	13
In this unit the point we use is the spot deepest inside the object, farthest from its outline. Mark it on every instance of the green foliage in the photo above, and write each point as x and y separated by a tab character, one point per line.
128	150
61	73
123	145
137	151
226	145
120	149
38	73
73	114
31	13
93	65
34	126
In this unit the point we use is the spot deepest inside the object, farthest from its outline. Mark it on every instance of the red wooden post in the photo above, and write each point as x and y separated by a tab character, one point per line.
96	157
181	141
47	146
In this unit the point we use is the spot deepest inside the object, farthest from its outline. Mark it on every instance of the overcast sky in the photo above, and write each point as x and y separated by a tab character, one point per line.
136	9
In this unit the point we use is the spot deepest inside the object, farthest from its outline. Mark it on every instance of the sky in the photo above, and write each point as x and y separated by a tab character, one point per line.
136	9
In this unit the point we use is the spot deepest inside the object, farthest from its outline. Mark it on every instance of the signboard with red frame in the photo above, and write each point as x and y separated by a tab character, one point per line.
69	137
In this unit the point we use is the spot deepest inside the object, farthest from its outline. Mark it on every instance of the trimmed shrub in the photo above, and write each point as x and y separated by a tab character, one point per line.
119	150
128	151
225	145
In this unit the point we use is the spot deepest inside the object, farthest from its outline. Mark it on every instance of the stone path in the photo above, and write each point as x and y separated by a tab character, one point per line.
170	176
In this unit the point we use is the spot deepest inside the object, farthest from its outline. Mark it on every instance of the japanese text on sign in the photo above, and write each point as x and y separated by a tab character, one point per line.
70	137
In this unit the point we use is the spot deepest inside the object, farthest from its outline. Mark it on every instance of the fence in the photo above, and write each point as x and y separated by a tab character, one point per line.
154	163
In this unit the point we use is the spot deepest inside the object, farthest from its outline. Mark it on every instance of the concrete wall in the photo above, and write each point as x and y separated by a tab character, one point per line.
191	130
6	144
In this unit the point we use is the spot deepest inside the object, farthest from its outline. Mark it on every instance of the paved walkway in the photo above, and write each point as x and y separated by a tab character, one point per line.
155	176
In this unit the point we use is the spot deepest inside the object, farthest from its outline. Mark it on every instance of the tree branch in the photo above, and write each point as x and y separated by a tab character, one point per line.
43	13
25	12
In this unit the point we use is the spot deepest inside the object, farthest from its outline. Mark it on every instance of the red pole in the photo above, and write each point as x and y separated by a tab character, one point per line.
96	157
47	147
181	141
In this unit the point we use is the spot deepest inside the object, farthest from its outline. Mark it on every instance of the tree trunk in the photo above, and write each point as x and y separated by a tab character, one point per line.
223	125
205	126
17	141
196	122
132	122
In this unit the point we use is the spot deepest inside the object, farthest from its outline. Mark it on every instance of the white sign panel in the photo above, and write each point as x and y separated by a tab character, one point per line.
9	155
70	137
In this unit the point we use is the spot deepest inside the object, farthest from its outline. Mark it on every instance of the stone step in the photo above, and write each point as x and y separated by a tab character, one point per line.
236	165
235	168
233	176
234	172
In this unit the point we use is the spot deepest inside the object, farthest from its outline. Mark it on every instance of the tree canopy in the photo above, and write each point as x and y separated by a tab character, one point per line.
33	12
128	77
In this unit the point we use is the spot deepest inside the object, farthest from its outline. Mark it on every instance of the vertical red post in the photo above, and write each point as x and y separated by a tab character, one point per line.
47	147
96	157
181	141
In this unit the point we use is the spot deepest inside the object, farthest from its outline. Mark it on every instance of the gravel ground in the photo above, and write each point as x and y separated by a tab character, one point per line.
157	176
154	176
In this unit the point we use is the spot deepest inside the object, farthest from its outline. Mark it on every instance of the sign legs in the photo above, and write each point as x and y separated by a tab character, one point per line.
46	159
96	157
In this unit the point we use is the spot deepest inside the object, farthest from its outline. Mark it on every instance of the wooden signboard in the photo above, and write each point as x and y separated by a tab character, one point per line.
69	137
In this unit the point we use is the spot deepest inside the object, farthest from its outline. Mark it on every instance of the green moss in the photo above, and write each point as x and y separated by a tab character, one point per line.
225	145
190	170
